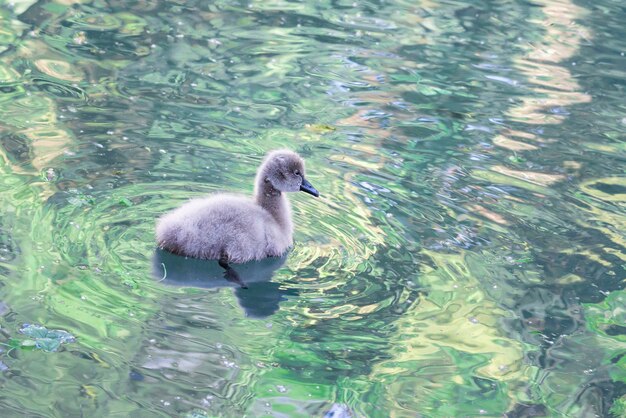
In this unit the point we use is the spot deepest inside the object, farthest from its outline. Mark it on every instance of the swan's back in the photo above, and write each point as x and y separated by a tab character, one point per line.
222	226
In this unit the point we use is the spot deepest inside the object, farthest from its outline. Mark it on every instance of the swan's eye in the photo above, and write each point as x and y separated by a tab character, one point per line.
297	172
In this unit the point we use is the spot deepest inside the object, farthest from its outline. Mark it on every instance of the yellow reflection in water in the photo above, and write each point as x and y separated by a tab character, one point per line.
553	87
544	63
541	179
456	316
59	69
513	145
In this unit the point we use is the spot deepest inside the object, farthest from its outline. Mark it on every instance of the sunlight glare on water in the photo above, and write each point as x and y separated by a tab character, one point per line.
466	256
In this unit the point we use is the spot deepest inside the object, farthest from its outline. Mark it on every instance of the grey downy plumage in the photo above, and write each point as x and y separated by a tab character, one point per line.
233	228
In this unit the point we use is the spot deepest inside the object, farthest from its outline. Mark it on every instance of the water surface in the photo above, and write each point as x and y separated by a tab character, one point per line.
467	256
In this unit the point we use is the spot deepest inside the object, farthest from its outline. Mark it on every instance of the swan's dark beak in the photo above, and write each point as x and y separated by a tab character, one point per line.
308	188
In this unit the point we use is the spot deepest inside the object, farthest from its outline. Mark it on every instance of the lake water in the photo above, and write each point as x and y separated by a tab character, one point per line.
467	256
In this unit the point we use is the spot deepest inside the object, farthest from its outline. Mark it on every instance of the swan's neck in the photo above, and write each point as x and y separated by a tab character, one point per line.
274	202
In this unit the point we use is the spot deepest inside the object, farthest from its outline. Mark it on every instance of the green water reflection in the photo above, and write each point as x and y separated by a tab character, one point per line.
467	257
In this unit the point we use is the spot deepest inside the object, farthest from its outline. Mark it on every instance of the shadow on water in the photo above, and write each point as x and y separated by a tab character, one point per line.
257	294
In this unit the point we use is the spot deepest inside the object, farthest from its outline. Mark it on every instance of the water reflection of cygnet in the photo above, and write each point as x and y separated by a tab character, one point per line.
257	294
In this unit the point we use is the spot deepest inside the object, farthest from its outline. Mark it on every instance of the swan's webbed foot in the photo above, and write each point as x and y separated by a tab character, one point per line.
230	273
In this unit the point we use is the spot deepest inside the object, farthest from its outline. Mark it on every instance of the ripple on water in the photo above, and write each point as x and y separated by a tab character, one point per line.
59	90
59	69
110	230
95	22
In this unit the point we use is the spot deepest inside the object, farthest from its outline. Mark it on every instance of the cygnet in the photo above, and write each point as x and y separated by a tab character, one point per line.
236	229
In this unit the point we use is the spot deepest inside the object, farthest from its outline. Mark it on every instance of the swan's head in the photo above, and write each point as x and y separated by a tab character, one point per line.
284	169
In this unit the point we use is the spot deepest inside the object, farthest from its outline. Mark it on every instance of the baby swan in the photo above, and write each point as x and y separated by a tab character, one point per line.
234	228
